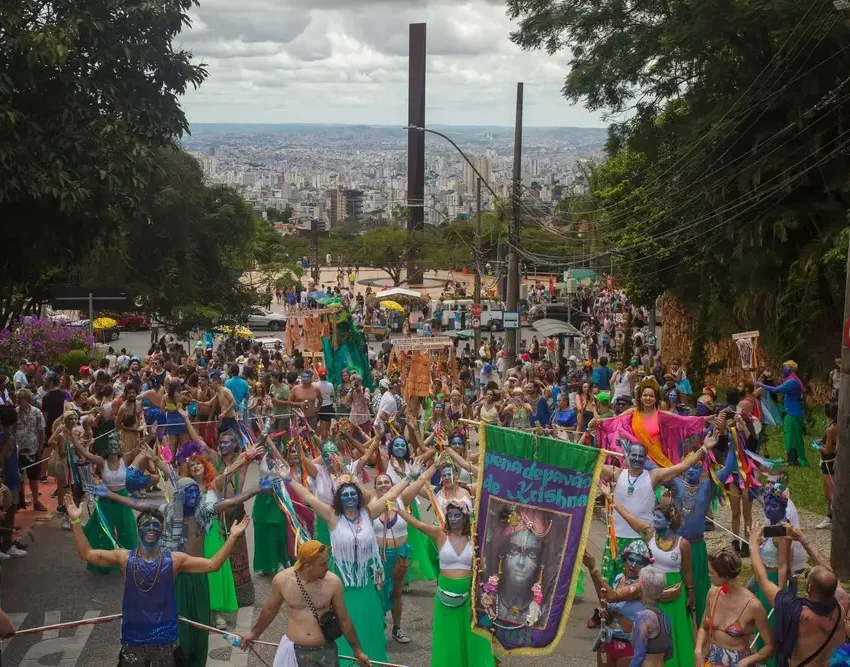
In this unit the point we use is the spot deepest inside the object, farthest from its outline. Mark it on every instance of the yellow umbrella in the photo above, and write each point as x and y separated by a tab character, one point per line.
392	305
104	323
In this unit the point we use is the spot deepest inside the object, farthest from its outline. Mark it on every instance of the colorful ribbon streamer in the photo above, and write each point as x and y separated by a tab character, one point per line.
104	524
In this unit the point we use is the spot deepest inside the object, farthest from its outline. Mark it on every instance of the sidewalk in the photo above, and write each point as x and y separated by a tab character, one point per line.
26	519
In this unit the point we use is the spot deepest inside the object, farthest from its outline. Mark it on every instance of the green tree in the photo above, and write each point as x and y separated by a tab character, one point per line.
387	248
88	94
184	264
730	168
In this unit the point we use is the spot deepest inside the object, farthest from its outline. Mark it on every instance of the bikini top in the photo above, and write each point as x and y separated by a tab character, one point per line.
735	629
449	559
394	528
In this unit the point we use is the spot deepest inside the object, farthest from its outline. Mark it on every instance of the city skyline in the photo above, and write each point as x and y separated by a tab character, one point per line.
345	62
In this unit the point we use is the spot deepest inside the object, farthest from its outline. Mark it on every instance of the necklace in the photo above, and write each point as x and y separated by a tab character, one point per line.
354	524
630	490
137	567
689	500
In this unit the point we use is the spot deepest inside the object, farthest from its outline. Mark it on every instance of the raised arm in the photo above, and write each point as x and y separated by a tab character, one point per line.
759	570
431	531
228	503
320	508
195	565
661	476
86	454
98	557
413	490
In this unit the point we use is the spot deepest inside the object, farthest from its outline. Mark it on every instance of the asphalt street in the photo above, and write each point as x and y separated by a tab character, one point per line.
51	585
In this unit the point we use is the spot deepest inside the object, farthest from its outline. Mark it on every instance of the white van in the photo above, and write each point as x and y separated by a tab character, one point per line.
491	313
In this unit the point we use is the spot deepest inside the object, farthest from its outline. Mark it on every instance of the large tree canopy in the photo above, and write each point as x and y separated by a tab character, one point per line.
726	172
88	94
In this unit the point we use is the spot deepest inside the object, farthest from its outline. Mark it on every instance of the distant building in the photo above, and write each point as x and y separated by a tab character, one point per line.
353	204
482	164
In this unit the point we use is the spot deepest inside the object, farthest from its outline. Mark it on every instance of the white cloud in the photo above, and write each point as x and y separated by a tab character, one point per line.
345	61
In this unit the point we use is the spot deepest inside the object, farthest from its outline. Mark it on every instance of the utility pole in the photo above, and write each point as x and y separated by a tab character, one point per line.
314	250
840	550
513	336
840	556
476	260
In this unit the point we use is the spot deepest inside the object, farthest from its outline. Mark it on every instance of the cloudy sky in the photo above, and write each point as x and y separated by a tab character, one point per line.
345	61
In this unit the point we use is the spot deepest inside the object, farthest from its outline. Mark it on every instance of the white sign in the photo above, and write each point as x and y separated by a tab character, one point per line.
841	4
510	320
745	334
476	322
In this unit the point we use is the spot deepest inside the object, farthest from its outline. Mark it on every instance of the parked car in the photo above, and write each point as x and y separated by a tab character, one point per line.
106	335
262	318
126	321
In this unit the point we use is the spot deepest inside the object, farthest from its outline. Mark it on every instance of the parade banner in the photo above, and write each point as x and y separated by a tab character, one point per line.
534	507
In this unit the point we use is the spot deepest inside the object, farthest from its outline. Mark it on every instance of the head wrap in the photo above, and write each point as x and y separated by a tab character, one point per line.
638	548
309	552
604	397
329	447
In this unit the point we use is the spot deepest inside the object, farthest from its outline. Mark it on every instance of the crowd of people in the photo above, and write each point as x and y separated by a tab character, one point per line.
361	492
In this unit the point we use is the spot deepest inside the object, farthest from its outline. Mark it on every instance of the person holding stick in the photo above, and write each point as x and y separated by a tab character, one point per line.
313	596
149	631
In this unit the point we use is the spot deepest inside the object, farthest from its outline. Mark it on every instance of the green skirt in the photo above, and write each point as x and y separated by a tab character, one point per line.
421	565
192	592
453	642
610	568
792	434
222	594
774	577
270	540
681	625
121	522
323	533
699	571
367	614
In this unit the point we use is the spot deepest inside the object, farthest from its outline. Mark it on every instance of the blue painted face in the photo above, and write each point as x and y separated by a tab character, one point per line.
659	521
637	456
399	448
191	495
786	372
693	474
774	510
150	532
349	497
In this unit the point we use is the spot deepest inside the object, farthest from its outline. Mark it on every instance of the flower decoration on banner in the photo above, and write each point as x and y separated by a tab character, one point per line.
489	597
534	608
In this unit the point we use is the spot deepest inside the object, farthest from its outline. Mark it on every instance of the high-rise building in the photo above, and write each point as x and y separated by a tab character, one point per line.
336	204
482	164
353	204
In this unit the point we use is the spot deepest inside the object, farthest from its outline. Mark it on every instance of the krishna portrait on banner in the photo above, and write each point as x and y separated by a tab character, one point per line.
521	564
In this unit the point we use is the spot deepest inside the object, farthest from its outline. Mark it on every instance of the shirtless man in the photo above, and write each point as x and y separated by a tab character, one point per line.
304	645
309	398
225	402
820	618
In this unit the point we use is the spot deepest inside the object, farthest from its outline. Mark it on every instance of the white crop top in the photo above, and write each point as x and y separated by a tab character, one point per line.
397	527
114	478
449	560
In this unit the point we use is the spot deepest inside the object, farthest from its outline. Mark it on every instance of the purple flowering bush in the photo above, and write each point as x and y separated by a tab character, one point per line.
39	340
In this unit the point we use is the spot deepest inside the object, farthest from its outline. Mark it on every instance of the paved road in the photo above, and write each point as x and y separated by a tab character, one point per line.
51	585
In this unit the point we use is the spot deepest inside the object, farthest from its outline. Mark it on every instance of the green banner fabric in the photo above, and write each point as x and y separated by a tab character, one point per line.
533	512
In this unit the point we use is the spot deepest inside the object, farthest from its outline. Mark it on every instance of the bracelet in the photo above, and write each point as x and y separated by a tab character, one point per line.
77	521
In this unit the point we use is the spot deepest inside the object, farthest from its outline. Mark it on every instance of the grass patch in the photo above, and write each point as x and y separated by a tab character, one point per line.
806	483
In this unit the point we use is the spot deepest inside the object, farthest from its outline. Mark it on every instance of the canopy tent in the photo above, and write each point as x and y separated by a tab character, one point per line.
406	297
549	327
